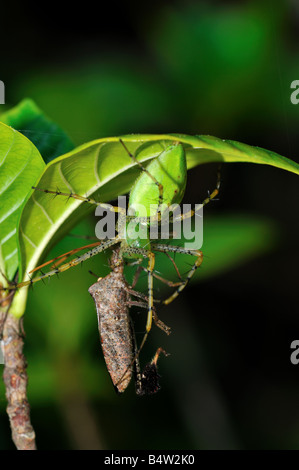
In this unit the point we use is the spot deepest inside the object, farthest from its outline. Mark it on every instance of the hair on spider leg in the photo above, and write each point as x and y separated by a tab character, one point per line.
70	196
5	277
214	199
30	278
53	194
186	272
84	201
155	271
93	274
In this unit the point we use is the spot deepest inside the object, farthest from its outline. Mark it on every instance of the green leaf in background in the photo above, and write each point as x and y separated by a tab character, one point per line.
208	149
20	167
102	169
47	136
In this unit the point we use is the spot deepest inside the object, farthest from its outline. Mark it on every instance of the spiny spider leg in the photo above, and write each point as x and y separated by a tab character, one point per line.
82	198
150	268
158	322
210	197
63	257
178	249
160	278
94	251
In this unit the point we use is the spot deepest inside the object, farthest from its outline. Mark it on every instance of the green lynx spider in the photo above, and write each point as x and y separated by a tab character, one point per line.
161	183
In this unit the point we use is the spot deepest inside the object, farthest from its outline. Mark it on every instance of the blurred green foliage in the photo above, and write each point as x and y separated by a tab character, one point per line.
49	139
200	68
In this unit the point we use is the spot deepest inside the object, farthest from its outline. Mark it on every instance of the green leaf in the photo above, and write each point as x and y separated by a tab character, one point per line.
47	136
20	167
102	169
209	149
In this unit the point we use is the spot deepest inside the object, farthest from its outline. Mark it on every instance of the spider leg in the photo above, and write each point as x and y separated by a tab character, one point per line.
89	254
178	249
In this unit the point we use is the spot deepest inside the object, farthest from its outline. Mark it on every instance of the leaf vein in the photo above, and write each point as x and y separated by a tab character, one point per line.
43	210
28	239
8	214
8	236
12	142
96	161
64	178
11	255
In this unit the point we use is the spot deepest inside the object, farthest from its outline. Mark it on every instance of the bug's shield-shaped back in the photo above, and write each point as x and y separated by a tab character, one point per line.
112	299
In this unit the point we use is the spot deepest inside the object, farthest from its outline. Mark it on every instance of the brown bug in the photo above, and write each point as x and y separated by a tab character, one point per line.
112	296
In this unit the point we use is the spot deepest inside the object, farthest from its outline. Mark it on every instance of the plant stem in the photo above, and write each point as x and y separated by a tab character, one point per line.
15	379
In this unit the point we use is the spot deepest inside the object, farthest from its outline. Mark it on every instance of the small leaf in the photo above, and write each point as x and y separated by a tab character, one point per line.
47	136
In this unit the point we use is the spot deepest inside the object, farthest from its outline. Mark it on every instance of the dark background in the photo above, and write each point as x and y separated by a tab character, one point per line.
218	68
